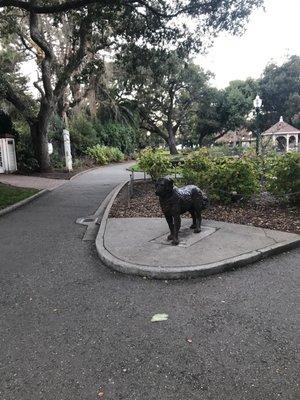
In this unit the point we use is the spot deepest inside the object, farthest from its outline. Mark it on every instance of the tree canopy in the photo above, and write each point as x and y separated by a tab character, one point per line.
67	40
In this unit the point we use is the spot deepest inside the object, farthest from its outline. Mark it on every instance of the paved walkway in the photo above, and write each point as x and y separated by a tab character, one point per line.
31	181
146	251
71	329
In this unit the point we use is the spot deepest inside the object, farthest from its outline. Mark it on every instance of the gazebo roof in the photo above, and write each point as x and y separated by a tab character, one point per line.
241	135
281	127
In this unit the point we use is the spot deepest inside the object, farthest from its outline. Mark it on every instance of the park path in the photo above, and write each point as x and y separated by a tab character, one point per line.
73	329
31	181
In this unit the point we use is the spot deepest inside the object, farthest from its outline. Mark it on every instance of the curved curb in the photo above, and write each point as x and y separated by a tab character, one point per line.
92	169
161	272
83	172
21	203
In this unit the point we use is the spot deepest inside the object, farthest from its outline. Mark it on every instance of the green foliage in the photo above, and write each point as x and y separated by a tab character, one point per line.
86	132
197	168
280	92
124	137
104	154
233	178
24	150
155	162
283	176
219	151
82	134
225	178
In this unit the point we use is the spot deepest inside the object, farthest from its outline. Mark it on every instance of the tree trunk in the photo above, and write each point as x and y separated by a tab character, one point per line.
172	143
39	135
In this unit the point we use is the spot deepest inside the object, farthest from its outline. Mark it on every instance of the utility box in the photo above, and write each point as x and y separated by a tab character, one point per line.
8	159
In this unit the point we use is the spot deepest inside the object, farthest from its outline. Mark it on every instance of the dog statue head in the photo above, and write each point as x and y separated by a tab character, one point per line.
164	186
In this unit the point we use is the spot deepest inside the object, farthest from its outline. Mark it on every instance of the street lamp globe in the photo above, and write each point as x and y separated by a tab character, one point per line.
257	102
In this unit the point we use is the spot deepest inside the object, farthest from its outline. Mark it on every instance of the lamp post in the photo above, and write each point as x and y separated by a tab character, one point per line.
257	103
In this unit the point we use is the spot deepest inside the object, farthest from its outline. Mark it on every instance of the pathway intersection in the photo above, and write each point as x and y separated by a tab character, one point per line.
71	328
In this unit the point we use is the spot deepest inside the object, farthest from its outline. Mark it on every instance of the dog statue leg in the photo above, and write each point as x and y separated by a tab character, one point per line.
198	222
193	226
177	224
171	227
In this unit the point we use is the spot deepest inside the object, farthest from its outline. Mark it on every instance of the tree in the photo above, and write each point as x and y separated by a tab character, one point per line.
220	111
280	92
123	20
165	88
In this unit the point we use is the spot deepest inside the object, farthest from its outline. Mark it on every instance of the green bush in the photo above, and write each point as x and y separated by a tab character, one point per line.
104	154
155	162
197	168
224	178
283	176
25	155
57	160
233	178
82	134
123	137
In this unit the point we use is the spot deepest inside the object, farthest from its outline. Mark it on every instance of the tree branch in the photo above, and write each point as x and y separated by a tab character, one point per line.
152	127
47	9
46	65
76	4
75	60
21	105
36	85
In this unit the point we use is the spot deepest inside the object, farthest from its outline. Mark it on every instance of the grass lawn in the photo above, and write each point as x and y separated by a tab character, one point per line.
12	194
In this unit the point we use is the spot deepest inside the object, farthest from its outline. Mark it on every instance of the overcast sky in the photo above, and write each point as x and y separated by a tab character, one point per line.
271	35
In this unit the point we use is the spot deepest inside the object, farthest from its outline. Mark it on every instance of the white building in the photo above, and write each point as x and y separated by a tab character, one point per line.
284	136
8	160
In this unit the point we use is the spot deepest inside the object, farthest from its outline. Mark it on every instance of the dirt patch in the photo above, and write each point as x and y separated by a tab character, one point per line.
261	212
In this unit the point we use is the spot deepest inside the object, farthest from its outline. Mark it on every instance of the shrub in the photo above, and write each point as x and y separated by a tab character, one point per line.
197	168
57	160
155	162
123	137
82	134
233	178
283	176
104	154
25	154
225	178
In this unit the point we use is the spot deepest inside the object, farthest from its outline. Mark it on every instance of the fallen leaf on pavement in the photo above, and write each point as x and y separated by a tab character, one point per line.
159	317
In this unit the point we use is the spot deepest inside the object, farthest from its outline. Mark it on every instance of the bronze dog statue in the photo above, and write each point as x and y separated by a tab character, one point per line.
176	201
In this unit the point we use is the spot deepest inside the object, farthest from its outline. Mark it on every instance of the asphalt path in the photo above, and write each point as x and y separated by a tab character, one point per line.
73	329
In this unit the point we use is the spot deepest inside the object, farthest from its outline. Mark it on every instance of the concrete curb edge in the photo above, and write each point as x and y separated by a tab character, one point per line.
160	272
83	172
21	203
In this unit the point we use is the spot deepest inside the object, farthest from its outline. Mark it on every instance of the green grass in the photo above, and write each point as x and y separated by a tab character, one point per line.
136	168
10	194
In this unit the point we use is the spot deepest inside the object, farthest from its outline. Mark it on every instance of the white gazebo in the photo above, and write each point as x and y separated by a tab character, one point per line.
285	137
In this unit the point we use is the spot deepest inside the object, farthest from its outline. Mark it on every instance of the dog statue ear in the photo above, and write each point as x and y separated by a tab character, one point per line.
170	181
